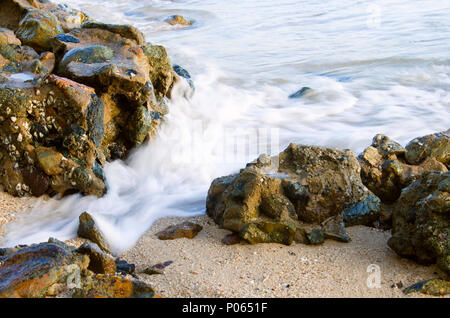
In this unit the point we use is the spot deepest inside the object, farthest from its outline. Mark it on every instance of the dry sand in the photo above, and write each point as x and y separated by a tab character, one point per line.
204	267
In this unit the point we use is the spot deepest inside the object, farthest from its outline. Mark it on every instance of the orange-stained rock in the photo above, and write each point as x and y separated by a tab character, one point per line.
32	271
185	229
63	83
104	286
100	262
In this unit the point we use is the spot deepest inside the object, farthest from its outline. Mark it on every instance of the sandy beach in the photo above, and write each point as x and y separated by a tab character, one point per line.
205	267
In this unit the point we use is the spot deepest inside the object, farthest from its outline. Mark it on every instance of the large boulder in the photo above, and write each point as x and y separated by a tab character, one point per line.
266	202
387	167
321	182
421	221
51	128
35	271
74	93
113	60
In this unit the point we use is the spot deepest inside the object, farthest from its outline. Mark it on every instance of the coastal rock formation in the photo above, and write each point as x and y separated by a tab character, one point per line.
74	93
266	202
421	221
387	167
54	269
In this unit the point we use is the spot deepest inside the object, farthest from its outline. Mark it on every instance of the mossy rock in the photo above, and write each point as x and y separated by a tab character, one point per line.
37	28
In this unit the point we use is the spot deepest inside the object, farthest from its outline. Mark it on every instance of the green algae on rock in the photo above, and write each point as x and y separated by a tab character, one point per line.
37	28
387	167
268	203
101	104
421	221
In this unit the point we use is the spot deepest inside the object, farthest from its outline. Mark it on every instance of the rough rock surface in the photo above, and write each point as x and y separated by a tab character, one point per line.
265	201
185	229
433	287
35	271
74	93
387	167
88	229
100	262
53	268
421	221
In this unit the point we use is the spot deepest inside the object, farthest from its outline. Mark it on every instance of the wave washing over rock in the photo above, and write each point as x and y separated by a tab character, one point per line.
98	117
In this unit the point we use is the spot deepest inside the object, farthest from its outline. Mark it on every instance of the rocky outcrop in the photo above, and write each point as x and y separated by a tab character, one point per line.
74	93
421	221
54	269
387	167
267	202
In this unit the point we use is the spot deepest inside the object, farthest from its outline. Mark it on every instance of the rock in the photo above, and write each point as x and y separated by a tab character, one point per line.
364	212
264	202
421	221
186	229
316	236
124	30
32	271
157	269
41	141
435	146
124	267
88	229
385	171
231	239
8	37
100	262
11	12
140	125
236	203
49	160
98	55
74	94
37	28
321	182
182	73
334	229
178	20
433	287
344	238
162	74
103	286
301	92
